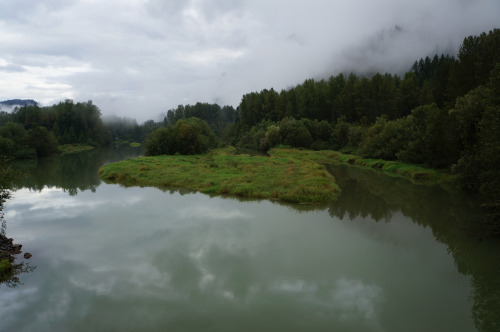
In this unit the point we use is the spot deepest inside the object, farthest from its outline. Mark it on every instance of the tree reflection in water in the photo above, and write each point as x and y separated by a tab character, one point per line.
365	193
451	217
72	172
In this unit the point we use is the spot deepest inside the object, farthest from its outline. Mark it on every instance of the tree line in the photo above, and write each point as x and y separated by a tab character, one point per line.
33	131
218	118
443	113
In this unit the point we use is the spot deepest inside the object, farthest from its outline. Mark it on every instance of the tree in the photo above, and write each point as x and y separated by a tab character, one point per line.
43	141
271	139
295	133
341	133
188	136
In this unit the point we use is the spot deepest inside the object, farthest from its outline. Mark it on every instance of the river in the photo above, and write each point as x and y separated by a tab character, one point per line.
387	256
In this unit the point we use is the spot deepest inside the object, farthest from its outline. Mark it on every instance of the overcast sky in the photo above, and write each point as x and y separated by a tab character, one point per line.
139	58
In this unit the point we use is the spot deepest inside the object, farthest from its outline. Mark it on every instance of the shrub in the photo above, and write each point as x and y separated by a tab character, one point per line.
187	136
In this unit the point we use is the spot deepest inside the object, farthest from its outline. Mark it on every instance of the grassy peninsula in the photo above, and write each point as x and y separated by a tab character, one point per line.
280	177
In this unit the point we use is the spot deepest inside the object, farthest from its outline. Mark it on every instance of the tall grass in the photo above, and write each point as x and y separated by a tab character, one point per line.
280	177
415	173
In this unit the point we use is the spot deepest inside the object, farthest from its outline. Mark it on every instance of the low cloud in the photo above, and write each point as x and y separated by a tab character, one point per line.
141	58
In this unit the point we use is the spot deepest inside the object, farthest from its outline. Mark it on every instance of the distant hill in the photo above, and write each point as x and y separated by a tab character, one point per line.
18	102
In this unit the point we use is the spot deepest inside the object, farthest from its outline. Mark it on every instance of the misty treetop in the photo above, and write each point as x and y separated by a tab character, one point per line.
443	113
127	129
18	102
438	80
216	116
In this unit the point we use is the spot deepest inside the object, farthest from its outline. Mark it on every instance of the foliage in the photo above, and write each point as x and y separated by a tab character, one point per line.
187	136
219	119
385	139
294	133
32	131
478	116
9	272
5	269
43	141
443	114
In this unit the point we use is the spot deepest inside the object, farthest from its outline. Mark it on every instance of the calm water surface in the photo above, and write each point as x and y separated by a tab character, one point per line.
387	256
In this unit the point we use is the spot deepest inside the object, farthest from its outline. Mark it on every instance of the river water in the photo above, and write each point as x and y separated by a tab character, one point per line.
387	256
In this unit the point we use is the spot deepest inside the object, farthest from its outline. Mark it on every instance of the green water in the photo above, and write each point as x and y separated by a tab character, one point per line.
387	256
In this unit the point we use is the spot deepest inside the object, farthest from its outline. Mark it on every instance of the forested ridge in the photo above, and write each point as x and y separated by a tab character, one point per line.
443	113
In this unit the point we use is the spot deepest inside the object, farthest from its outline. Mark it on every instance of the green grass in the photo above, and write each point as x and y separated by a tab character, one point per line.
415	173
124	142
288	175
74	148
280	177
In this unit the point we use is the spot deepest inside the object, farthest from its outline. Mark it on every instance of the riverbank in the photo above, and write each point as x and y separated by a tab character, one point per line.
288	175
7	251
280	177
74	148
415	173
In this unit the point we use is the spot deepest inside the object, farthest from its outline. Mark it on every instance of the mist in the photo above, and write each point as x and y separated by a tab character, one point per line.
138	59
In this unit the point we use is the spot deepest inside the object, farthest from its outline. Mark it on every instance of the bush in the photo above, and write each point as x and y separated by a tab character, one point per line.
386	139
187	136
42	141
294	133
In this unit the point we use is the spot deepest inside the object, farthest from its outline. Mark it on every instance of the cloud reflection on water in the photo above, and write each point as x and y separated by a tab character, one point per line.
174	258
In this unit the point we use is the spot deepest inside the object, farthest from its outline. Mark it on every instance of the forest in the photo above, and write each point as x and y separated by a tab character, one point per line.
33	132
444	113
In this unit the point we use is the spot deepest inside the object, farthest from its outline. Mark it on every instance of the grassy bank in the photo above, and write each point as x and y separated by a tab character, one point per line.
280	177
124	142
74	148
415	173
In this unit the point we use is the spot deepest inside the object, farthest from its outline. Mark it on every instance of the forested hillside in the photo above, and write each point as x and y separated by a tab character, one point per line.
443	113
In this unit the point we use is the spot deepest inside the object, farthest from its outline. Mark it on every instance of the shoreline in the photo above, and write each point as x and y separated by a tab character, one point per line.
222	172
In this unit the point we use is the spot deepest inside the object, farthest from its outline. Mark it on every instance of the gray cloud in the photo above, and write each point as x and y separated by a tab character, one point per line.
11	68
139	58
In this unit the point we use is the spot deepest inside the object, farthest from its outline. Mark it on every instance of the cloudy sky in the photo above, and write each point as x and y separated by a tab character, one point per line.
139	58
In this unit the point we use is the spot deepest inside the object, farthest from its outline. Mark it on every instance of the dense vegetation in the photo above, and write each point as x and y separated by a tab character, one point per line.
32	131
219	119
443	113
187	136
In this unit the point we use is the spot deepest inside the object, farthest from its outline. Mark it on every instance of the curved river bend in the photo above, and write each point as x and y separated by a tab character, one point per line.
387	256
